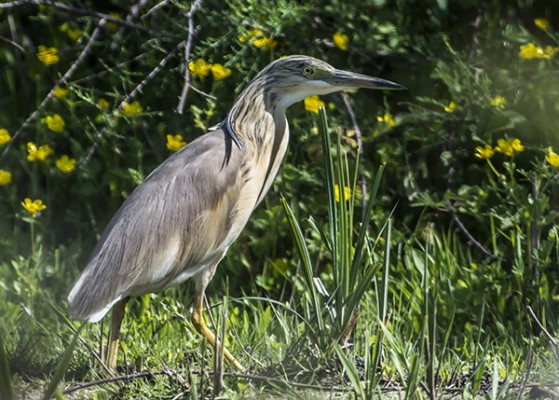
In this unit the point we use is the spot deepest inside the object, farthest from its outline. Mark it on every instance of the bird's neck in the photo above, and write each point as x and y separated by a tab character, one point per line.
256	119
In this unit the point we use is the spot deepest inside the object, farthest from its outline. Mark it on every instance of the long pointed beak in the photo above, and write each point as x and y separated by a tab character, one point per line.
349	80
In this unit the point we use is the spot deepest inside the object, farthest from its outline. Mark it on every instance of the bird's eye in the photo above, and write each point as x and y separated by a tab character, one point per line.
308	70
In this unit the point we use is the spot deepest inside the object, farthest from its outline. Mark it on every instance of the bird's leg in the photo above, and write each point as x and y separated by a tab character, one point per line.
200	325
114	333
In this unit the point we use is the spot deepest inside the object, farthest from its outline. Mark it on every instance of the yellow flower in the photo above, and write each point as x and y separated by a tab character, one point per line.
38	154
497	101
66	164
4	136
313	104
530	50
542	23
516	145
550	51
259	39
450	108
48	55
73	33
60	93
54	122
113	25
265	43
5	177
387	118
509	147
280	267
102	103
199	68
484	152
129	110
175	142
341	41
33	206
252	34
347	193
552	158
220	72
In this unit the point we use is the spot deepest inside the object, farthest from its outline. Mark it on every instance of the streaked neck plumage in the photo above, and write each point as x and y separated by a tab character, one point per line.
257	117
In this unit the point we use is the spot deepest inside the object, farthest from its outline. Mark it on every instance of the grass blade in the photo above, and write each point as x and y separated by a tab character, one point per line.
351	372
62	365
5	375
306	260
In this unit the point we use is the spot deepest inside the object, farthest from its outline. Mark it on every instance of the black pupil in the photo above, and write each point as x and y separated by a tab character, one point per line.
308	70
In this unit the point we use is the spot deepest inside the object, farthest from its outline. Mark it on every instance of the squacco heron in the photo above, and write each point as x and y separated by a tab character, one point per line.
179	223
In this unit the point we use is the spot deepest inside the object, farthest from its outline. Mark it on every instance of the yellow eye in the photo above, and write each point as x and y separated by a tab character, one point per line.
308	70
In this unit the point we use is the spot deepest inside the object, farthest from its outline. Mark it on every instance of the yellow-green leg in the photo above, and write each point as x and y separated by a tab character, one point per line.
200	325
114	334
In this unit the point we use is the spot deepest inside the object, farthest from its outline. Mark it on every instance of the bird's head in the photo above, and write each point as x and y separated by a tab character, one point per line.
294	78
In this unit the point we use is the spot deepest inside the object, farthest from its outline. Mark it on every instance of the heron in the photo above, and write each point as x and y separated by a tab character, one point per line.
180	221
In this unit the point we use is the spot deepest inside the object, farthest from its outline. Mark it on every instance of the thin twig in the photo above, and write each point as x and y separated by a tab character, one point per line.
50	94
100	74
554	343
182	101
17	46
150	76
472	239
156	7
75	10
358	136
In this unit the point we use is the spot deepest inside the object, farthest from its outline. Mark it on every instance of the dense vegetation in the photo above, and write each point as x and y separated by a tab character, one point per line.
412	249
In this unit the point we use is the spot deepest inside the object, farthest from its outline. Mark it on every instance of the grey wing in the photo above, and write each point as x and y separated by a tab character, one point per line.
171	226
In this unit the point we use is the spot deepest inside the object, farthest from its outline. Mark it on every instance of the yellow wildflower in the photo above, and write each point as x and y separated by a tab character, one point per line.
66	164
60	93
259	39
33	206
175	142
450	108
252	34
484	152
102	103
220	72
48	55
54	122
341	41
313	104
542	23
387	118
552	158
5	177
199	68
4	136
73	33
530	50
497	101
113	25
509	147
347	193
265	43
280	267
38	154
516	145
131	109
550	51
